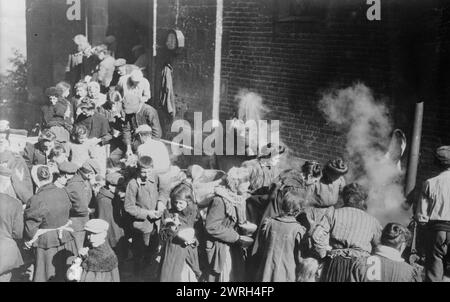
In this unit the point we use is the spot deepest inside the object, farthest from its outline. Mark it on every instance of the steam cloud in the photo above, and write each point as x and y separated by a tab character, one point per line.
368	129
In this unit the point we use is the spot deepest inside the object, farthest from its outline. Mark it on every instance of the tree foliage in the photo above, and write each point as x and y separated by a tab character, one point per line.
13	84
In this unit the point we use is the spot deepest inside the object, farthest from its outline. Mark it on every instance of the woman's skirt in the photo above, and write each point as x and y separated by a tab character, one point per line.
51	264
90	276
337	269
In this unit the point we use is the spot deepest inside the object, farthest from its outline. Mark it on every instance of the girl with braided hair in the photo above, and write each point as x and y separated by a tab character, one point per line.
386	263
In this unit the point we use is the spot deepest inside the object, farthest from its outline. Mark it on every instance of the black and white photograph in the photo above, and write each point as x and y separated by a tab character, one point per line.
225	143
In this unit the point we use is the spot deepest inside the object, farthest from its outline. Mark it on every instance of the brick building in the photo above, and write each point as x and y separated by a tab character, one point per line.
288	51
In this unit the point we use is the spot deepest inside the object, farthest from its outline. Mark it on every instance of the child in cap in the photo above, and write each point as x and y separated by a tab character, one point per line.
98	261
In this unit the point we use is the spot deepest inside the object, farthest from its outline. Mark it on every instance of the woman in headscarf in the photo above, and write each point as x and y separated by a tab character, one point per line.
224	244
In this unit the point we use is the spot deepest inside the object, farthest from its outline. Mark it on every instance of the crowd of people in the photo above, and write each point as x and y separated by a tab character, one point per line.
98	190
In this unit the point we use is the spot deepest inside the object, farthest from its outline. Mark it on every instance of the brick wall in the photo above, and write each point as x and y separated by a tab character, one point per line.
290	63
436	122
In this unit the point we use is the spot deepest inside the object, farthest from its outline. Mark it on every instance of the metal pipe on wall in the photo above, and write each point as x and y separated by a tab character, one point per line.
155	13
413	162
217	63
86	19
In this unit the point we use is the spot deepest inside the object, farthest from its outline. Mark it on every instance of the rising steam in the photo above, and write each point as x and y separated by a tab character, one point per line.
368	129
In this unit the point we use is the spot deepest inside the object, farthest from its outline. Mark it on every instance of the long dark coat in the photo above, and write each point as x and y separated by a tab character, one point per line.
49	209
176	254
80	194
222	231
279	249
110	208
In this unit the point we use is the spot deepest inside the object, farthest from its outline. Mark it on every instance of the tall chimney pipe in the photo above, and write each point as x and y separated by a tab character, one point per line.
411	173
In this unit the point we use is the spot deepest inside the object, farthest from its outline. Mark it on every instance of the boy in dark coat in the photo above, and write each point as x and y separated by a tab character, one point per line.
145	201
47	227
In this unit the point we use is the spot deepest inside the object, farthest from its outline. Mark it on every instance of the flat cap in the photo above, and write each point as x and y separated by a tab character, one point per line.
91	166
136	75
120	62
96	226
52	91
114	179
143	129
68	167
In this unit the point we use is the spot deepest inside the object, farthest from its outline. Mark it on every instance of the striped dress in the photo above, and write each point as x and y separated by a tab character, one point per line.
352	234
